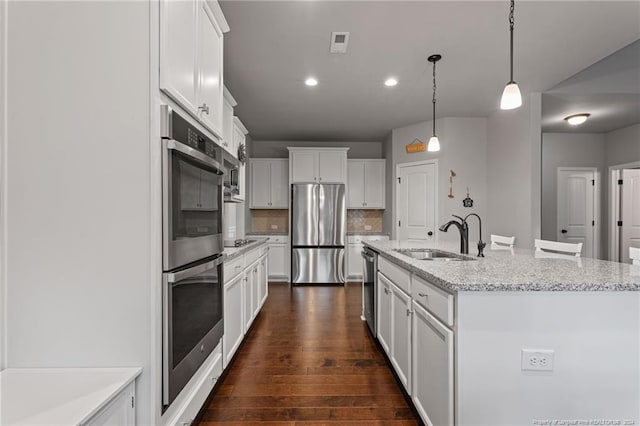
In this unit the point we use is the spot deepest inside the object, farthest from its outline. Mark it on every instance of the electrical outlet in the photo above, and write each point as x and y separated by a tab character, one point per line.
367	227
274	226
537	360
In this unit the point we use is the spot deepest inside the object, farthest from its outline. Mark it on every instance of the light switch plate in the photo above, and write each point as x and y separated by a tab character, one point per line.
367	227
274	226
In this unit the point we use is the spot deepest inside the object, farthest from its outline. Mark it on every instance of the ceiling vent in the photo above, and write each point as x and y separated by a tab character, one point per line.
339	41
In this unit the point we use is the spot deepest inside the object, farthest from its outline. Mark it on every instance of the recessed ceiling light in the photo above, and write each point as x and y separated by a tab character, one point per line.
311	81
390	82
576	119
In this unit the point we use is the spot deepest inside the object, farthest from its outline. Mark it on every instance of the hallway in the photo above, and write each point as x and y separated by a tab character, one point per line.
309	360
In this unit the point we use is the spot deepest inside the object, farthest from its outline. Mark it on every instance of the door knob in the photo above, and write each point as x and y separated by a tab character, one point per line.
564	231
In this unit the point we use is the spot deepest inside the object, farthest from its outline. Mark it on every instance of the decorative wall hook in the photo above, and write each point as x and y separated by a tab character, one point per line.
451	176
467	202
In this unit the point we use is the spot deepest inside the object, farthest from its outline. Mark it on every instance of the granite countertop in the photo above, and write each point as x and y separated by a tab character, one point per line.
513	270
267	233
58	396
233	252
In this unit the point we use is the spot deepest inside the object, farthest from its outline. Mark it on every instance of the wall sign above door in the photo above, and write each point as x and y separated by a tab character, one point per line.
416	146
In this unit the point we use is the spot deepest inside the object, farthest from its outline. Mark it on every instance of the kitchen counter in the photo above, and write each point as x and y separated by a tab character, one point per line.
233	252
512	270
58	396
367	233
250	234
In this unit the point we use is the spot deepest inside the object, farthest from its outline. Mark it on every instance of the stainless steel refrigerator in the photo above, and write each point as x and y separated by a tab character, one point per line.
318	228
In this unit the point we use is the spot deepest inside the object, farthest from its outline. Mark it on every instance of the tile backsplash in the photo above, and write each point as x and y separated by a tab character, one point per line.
364	220
269	220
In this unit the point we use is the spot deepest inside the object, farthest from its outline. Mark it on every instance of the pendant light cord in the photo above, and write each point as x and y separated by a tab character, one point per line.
434	98
511	23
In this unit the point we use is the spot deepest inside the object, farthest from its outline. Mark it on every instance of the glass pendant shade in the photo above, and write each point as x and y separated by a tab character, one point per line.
511	97
434	144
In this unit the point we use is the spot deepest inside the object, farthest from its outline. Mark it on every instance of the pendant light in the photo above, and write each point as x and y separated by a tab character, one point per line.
434	143
511	97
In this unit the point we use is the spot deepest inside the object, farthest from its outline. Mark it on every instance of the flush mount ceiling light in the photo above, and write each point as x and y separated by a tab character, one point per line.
311	82
434	143
511	97
390	82
576	119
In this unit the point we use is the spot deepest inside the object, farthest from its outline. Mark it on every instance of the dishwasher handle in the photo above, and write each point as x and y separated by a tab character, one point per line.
367	256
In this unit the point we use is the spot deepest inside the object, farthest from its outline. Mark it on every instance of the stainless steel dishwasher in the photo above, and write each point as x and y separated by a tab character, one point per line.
370	263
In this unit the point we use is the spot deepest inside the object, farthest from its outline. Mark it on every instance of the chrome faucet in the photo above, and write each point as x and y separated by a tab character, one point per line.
463	227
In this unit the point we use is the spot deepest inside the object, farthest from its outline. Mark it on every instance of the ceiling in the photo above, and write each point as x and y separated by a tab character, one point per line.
274	45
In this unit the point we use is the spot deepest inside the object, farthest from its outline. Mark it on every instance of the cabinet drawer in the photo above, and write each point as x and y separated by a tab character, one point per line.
399	276
277	239
435	300
233	268
254	254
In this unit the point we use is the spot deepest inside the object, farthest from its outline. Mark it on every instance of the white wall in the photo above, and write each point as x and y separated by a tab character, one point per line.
388	217
623	145
463	147
278	149
78	187
513	171
570	150
3	157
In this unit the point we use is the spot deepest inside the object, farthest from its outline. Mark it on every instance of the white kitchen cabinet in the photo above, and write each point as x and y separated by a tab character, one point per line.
384	313
394	327
432	376
318	165
247	296
120	411
401	335
256	282
233	317
354	248
263	277
191	58
240	138
277	263
269	183
228	103
366	184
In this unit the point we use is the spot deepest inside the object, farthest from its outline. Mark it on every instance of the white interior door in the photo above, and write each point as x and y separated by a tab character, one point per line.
630	203
417	201
576	208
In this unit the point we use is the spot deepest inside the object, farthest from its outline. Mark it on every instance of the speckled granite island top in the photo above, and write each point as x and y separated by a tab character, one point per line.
233	252
512	270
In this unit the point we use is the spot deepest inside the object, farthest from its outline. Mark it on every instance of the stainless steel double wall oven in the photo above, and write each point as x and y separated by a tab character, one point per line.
192	284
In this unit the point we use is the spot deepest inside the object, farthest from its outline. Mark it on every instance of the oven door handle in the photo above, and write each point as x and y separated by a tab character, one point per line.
196	270
196	155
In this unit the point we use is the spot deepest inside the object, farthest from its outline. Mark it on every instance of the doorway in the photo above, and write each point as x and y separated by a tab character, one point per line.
624	210
416	201
577	212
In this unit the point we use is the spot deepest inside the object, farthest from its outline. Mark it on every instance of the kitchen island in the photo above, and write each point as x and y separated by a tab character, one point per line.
514	338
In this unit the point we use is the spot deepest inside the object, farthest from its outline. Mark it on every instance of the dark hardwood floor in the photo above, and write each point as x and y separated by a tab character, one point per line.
309	360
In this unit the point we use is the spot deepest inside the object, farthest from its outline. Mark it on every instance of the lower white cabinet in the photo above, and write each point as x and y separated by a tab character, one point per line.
245	291
384	313
432	378
394	327
278	262
119	411
401	335
354	248
233	318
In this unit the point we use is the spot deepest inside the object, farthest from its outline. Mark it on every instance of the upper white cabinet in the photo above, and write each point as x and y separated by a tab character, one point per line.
366	184
191	58
318	165
269	183
228	104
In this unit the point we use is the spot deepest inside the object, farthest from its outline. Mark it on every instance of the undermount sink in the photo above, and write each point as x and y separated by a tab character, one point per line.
432	254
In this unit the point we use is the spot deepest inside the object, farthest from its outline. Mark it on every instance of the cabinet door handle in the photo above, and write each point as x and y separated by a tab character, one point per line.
409	312
204	108
386	291
320	178
423	294
430	233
